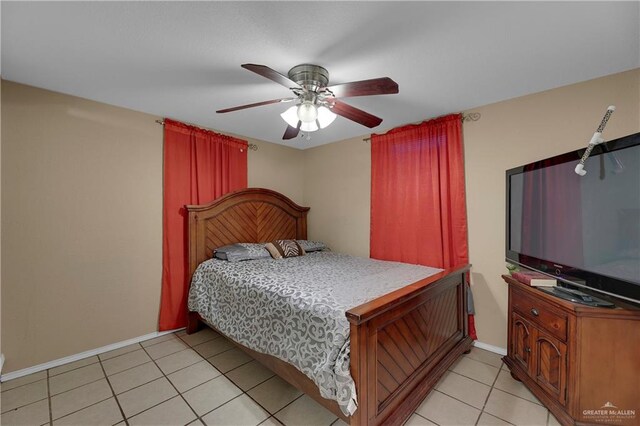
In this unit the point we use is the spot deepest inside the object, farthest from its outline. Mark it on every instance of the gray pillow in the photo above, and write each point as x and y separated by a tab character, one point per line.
309	246
242	251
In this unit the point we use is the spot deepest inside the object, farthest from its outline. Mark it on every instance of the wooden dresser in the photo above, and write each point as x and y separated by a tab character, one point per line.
582	363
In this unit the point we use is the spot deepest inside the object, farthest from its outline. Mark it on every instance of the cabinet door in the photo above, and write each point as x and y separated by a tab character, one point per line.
521	341
550	365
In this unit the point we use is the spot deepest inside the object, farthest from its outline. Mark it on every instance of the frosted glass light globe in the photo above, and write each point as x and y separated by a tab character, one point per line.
309	127
307	112
325	117
291	116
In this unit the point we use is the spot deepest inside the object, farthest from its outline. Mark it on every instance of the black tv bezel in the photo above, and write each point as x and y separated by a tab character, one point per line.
615	287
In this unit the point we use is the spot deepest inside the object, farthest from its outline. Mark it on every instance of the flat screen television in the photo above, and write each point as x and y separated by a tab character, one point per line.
583	230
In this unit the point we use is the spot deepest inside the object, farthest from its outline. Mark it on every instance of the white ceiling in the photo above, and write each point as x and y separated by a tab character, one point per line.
182	59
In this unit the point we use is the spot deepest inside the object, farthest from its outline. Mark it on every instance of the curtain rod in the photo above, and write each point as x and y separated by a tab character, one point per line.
472	116
251	146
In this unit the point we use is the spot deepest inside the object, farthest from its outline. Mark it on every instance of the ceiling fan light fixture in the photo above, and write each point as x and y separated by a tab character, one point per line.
291	116
325	117
307	112
310	85
311	126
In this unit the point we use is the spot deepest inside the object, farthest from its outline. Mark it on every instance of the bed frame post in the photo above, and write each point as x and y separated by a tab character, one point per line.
358	337
193	322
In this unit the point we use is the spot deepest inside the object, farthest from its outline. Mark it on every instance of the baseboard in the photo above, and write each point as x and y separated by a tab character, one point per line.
98	351
490	348
81	355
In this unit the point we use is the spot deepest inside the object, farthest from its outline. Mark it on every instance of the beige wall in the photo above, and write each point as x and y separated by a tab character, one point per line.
276	167
82	221
510	133
81	225
337	184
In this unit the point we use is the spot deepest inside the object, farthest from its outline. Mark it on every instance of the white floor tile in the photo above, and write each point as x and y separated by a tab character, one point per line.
79	398
121	351
23	395
146	396
172	412
417	420
213	347
156	340
271	421
447	411
165	348
487	357
29	415
24	380
476	370
487	419
102	413
72	365
552	421
133	377
249	375
239	411
193	376
510	385
464	389
274	394
515	410
211	395
75	378
229	360
125	362
178	360
201	336
305	411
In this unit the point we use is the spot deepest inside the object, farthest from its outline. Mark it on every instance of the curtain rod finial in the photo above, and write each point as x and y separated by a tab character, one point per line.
472	116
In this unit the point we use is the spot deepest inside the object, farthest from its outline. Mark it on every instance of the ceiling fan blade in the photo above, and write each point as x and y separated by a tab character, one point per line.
271	74
355	114
376	86
257	104
292	132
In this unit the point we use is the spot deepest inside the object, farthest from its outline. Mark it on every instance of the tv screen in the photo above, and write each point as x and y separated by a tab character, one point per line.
583	229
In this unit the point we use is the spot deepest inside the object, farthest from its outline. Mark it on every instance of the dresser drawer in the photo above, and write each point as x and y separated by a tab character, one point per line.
541	313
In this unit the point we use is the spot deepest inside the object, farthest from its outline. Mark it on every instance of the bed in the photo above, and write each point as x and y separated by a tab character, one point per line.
426	319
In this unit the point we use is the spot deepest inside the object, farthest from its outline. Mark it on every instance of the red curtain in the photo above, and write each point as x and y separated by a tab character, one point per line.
199	166
418	207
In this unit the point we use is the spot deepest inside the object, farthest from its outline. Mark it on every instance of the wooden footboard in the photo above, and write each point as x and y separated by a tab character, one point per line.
403	342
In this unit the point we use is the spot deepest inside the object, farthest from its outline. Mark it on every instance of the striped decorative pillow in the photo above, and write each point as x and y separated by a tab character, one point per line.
284	248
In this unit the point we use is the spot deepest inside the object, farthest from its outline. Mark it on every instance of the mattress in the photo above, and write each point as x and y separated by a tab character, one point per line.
294	308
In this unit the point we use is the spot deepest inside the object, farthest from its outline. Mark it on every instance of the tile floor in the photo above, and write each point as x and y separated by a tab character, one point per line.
202	379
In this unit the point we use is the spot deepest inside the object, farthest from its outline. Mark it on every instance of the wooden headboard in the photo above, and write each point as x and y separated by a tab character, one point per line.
251	215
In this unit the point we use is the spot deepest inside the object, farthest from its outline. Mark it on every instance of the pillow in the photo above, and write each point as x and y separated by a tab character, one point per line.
284	248
309	246
241	251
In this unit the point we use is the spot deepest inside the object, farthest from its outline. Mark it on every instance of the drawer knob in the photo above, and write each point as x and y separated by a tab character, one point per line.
527	350
534	312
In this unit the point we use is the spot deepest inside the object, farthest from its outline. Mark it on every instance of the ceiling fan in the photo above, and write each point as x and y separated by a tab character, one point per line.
317	103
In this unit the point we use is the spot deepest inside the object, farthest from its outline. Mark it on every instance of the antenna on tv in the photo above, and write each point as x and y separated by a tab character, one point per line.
595	140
